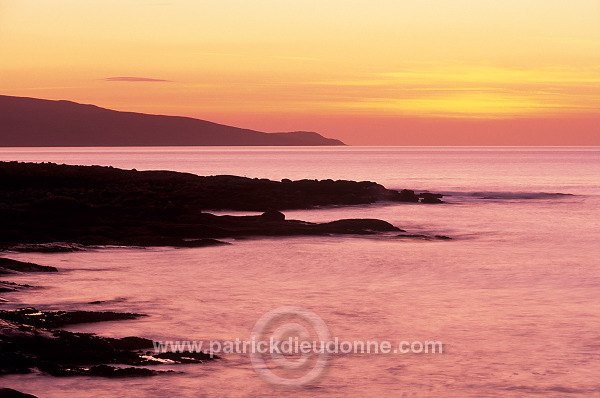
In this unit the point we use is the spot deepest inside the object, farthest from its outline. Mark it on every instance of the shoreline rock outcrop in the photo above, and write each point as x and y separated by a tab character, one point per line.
10	393
29	340
9	266
41	203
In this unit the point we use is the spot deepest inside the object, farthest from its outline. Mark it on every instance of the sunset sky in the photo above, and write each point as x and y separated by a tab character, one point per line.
386	72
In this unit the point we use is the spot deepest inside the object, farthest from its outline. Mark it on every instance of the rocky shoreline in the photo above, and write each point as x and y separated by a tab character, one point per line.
93	205
59	208
31	340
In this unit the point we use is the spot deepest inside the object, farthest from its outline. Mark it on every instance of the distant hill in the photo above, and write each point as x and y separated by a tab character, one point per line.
37	122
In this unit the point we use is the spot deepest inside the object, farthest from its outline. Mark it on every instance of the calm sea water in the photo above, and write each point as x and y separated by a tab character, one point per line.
514	296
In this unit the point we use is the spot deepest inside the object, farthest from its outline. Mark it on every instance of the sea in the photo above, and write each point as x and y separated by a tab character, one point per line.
513	297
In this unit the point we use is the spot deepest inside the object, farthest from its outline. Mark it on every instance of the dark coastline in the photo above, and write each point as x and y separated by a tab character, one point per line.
52	208
94	205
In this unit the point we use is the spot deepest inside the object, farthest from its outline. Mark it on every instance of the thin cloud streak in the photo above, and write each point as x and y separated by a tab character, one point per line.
133	79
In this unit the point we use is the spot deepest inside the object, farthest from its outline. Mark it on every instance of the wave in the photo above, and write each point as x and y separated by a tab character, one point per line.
491	195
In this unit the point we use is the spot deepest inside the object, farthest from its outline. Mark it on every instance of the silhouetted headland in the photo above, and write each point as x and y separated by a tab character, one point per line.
37	122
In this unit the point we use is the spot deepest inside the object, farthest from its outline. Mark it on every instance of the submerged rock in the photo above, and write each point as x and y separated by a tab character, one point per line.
421	236
12	287
414	236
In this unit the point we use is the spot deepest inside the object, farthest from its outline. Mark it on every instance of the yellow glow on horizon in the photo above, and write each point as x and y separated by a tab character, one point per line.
495	74
478	105
434	58
476	91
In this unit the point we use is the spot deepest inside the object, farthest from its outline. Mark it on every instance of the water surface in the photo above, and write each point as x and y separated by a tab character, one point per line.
514	296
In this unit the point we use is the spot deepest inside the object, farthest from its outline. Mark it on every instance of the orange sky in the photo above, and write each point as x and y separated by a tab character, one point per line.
387	72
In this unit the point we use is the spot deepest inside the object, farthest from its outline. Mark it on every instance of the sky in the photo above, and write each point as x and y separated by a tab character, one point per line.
368	72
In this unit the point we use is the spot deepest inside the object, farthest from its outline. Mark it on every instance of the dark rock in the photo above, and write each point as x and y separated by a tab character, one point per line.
358	225
53	319
189	357
174	242
10	393
111	371
24	347
426	237
60	205
407	195
97	240
20	266
242	226
431	195
115	300
131	343
50	247
272	215
96	205
431	198
199	243
98	370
